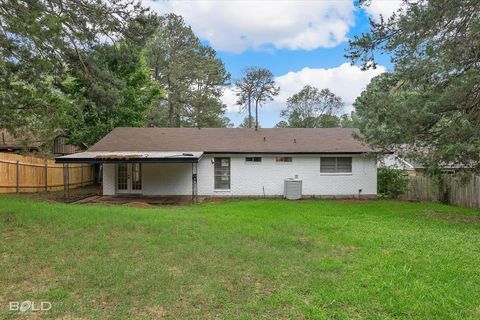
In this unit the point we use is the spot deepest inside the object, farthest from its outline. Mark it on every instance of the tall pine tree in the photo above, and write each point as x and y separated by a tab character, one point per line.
431	101
191	74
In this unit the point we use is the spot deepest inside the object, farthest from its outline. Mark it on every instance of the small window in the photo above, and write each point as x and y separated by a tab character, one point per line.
283	159
336	165
253	159
222	173
448	171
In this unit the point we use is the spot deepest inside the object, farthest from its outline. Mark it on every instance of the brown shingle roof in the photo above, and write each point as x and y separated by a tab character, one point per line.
30	142
9	141
233	140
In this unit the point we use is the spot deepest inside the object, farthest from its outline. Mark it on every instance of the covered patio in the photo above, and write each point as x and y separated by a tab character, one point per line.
137	174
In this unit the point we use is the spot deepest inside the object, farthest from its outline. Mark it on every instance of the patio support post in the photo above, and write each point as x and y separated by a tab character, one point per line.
194	182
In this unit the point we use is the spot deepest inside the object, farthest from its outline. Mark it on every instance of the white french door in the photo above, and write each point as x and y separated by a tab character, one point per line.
129	178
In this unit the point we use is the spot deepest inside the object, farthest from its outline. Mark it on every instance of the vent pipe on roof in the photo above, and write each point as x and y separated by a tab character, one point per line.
264	139
294	140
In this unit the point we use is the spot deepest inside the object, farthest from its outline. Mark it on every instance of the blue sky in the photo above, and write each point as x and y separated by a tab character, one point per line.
301	42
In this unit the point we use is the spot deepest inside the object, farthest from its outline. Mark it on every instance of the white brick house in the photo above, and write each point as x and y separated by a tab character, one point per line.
232	162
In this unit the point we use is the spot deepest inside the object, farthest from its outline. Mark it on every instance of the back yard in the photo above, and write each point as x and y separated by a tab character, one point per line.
241	260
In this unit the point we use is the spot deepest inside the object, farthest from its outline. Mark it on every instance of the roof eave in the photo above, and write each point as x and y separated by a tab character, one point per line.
289	152
130	160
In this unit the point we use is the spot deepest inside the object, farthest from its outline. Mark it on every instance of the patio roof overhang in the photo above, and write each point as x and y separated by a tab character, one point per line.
131	156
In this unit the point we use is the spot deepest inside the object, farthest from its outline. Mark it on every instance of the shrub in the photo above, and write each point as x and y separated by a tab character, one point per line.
391	183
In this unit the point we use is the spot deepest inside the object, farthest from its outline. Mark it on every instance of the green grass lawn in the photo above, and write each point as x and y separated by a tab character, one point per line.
242	260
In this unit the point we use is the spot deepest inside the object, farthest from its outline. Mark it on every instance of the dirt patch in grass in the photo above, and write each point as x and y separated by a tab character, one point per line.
304	241
148	312
453	217
339	251
138	204
8	219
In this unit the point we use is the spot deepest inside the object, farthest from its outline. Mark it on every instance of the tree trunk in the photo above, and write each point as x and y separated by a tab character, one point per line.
170	104
249	112
178	122
157	63
256	114
170	113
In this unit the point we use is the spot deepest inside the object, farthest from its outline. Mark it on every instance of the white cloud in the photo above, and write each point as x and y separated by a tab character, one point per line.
382	7
229	98
346	81
236	25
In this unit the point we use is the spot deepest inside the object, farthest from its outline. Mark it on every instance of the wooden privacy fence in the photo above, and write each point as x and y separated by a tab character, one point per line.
29	174
448	189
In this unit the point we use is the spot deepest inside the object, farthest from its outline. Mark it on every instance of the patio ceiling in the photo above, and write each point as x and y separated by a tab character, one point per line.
131	156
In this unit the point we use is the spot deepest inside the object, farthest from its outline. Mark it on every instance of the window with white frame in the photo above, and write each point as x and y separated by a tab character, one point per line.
253	159
222	173
335	165
283	159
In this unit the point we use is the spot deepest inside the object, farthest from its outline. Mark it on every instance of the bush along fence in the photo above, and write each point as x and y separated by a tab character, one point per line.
30	174
449	189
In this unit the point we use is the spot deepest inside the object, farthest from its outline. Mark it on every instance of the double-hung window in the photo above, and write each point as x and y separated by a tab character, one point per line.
222	173
335	165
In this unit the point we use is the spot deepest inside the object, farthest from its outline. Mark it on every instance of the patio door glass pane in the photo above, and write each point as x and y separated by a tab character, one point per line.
122	176
136	176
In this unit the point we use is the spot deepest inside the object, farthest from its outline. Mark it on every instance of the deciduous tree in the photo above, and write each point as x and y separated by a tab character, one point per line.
312	108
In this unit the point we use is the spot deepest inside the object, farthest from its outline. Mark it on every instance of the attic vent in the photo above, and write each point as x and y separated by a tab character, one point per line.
187	154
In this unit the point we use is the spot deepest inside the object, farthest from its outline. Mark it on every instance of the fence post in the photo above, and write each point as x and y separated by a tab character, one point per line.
81	181
17	176
64	184
68	181
46	175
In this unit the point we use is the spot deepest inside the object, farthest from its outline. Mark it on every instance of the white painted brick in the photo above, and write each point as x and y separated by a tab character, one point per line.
255	179
268	176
